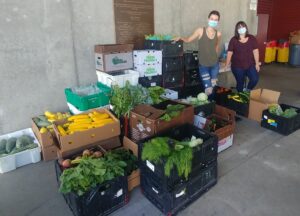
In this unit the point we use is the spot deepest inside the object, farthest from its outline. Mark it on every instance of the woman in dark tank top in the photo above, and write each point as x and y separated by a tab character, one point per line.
244	57
208	44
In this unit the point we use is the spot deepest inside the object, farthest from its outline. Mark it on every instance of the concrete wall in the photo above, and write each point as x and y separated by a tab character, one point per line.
47	45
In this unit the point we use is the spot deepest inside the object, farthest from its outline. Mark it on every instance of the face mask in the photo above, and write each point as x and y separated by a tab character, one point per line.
212	23
242	30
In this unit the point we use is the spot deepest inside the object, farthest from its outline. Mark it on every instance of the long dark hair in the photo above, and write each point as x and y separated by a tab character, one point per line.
237	26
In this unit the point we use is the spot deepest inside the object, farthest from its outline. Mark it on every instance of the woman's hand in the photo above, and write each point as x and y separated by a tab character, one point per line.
176	39
257	66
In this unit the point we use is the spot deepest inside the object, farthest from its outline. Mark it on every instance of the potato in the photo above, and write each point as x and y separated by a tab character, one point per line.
66	163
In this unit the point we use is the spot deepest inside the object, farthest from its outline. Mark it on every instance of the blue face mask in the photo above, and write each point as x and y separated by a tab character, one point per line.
212	23
242	30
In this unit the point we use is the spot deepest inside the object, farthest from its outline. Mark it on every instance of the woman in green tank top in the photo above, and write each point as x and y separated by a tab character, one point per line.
208	42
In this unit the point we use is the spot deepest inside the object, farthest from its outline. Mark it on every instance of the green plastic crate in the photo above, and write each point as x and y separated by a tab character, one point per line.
83	103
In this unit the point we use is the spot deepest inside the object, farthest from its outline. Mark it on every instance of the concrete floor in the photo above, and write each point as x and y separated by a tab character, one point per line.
258	176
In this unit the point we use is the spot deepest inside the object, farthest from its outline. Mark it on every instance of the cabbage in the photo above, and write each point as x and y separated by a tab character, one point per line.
202	97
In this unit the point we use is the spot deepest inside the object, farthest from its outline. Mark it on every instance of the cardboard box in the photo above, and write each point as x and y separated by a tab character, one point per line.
221	113
91	136
45	139
111	143
261	99
145	119
141	57
114	61
134	178
225	143
295	39
118	78
148	70
113	48
49	153
113	57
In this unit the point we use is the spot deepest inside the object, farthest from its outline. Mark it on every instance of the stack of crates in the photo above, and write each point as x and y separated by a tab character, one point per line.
191	69
170	194
149	65
172	61
192	80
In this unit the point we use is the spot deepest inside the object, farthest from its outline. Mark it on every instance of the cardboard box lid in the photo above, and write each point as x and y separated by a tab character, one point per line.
265	95
110	48
148	111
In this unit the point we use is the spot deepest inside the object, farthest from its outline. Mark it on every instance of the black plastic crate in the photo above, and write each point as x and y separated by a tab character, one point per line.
151	81
191	91
191	77
172	64
221	98
281	124
169	48
240	108
191	60
205	109
173	79
203	155
99	201
207	178
168	202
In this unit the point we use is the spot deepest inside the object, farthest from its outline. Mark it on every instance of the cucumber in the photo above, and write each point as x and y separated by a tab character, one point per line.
3	145
11	144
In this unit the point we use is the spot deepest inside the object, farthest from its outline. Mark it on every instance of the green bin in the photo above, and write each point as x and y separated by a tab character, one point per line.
87	102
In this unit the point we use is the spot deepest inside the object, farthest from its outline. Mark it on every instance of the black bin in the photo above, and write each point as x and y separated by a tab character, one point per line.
280	124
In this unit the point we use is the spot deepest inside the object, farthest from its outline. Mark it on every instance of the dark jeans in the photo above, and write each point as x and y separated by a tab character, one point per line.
241	74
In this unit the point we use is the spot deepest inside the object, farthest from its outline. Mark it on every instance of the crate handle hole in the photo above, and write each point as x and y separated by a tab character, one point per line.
93	135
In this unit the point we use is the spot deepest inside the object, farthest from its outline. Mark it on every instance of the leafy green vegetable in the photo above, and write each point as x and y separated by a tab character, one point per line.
182	159
172	111
277	110
289	113
124	155
155	93
89	173
177	154
156	148
125	99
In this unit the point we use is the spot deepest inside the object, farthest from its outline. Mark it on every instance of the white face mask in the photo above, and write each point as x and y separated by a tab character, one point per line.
242	30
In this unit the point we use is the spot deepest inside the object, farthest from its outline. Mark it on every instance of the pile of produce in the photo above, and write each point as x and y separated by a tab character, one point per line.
241	97
201	99
44	122
222	90
215	123
123	100
91	169
16	144
172	111
287	113
175	153
159	37
82	122
155	94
